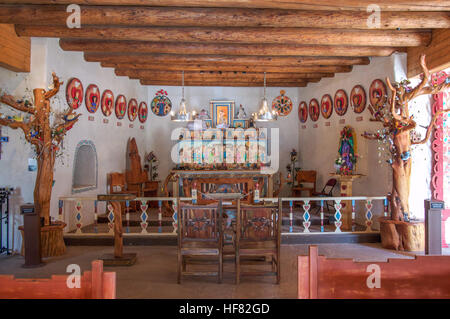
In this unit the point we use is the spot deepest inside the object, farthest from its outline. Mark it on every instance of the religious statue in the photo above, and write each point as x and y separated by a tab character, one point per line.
346	161
241	115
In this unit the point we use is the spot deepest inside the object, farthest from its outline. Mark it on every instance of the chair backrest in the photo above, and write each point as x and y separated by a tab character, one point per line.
199	222
204	186
116	182
307	177
330	184
258	222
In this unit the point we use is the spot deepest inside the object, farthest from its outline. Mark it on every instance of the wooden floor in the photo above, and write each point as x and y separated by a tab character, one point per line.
154	274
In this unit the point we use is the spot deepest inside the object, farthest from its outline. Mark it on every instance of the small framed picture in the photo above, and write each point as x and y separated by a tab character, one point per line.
238	123
222	113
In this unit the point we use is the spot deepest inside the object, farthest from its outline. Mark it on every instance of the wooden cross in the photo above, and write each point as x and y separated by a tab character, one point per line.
3	139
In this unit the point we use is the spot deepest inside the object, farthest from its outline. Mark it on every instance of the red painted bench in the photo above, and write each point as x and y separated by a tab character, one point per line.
94	284
329	278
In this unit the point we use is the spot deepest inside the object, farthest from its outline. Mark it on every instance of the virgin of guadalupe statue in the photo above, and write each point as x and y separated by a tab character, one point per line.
347	148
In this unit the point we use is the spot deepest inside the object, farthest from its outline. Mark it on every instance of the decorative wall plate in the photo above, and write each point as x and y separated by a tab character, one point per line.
377	91
358	99
132	109
340	102
92	98
161	104
143	112
121	106
303	112
107	102
314	109
282	104
326	106
74	93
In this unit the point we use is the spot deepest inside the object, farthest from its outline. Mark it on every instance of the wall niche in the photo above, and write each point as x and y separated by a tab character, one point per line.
85	172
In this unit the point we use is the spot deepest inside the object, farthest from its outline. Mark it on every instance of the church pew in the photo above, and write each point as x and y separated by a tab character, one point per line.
94	284
329	278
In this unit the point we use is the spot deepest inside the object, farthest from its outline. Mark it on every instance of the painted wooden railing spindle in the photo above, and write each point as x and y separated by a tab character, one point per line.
321	217
306	217
110	218
369	215
291	216
78	216
338	215
127	215
95	216
144	217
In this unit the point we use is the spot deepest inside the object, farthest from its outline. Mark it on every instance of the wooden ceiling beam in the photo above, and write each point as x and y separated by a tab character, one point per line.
222	67
136	73
222	83
311	36
355	5
228	17
112	46
227	59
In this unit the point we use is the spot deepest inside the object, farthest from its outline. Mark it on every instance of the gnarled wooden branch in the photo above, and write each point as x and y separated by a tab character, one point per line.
25	127
10	101
426	75
430	127
56	85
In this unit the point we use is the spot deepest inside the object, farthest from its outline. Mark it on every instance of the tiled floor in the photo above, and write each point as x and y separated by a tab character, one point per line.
154	274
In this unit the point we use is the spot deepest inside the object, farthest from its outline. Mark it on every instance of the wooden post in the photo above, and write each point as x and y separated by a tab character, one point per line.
118	231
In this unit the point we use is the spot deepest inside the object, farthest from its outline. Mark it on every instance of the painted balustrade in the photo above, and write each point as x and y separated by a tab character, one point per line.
77	213
302	212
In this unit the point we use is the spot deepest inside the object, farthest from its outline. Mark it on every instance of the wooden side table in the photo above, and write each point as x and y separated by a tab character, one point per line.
346	182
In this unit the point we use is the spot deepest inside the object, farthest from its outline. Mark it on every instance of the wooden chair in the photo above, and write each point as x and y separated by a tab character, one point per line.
117	185
258	235
305	177
200	238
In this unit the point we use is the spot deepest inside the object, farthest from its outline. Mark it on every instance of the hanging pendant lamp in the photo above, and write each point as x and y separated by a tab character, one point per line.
264	114
183	115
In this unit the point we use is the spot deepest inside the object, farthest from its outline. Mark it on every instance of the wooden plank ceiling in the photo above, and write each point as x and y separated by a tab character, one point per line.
230	42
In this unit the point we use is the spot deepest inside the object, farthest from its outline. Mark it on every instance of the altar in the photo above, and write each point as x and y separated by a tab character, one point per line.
226	181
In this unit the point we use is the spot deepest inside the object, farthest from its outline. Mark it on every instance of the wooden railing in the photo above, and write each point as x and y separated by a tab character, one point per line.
299	215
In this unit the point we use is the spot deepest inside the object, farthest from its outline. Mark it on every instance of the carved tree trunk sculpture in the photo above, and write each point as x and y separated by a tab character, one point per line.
398	126
45	137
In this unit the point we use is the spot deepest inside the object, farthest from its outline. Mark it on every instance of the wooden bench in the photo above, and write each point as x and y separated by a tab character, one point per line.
423	277
94	284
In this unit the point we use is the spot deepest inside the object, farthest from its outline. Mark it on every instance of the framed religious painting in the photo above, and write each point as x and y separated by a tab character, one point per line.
314	110
303	112
132	109
239	123
121	106
340	102
377	92
107	102
142	112
222	113
326	106
92	98
161	104
74	93
358	99
282	104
